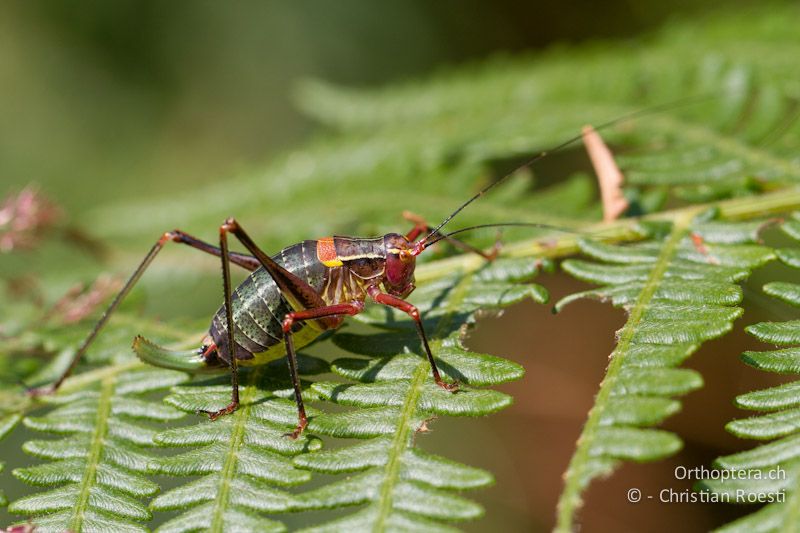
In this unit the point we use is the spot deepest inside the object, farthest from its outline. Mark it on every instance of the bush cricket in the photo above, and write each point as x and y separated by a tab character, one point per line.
292	297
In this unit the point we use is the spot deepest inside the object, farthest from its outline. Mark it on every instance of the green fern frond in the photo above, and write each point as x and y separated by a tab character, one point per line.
677	296
241	458
393	399
729	130
427	146
771	470
98	468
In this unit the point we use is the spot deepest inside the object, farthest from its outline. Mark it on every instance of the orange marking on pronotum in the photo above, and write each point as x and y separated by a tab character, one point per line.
326	252
608	173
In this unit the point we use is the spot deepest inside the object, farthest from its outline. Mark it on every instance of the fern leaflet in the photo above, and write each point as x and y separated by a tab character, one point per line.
772	469
98	466
240	458
677	296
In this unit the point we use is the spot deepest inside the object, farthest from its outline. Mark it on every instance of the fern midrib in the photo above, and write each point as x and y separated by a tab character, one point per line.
228	471
623	230
392	470
95	451
570	496
401	437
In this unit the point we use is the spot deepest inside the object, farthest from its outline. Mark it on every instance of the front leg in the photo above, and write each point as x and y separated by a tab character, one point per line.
413	312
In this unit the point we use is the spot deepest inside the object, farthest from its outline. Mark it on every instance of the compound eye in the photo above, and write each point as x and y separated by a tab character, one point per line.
406	256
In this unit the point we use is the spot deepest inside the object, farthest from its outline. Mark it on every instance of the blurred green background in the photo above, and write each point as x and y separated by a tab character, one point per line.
104	102
107	100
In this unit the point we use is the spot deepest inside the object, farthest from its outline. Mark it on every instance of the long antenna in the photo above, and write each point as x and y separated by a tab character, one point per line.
561	146
561	229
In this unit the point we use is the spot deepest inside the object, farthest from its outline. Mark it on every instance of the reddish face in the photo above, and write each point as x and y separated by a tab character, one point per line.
400	261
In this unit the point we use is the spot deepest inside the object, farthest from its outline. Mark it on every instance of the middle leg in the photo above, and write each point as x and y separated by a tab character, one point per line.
349	308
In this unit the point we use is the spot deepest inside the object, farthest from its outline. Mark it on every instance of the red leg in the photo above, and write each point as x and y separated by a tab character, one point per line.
243	260
226	288
170	236
350	308
413	312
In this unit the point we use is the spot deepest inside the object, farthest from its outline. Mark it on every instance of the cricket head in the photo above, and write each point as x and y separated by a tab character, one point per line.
401	258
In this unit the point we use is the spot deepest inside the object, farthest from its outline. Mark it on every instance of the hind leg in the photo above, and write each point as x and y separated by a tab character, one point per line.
242	260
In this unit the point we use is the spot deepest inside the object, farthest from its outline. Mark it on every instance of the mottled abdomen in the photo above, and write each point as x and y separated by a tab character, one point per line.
259	309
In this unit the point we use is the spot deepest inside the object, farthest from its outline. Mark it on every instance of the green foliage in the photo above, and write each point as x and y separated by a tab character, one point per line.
683	297
772	470
240	458
6	425
245	459
98	466
375	399
395	397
